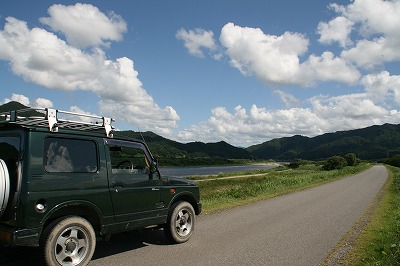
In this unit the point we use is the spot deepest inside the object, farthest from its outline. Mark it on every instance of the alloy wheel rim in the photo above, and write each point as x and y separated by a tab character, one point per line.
183	223
71	246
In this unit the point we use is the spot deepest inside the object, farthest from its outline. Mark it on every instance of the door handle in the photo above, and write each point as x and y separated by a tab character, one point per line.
155	189
118	184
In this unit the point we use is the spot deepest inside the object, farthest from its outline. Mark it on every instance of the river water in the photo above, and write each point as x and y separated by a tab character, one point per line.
211	170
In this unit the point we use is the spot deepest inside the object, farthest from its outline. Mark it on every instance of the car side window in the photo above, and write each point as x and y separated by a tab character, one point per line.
70	156
128	160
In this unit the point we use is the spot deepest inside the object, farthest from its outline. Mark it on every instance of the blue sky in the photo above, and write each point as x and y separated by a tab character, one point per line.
240	71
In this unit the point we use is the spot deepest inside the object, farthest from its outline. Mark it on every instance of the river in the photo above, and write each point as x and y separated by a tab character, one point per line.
211	170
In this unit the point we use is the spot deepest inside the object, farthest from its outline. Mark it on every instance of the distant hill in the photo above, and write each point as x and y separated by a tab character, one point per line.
11	106
369	143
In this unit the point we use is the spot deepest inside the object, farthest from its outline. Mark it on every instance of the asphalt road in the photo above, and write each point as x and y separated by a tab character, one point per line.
295	229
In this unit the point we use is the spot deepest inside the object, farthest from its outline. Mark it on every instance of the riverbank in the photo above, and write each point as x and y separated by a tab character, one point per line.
201	171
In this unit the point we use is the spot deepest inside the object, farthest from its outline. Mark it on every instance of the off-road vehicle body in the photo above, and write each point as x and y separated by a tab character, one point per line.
65	183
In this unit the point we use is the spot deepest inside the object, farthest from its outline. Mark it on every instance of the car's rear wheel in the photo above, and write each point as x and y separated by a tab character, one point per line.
68	241
181	220
4	187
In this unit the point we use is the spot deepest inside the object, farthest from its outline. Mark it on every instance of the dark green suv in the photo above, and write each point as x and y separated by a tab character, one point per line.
65	183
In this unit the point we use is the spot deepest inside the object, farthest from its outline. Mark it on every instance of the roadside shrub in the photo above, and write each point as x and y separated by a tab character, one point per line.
351	159
297	163
294	165
334	162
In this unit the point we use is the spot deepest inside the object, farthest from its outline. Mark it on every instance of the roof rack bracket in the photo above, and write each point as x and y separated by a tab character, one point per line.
51	116
107	126
13	116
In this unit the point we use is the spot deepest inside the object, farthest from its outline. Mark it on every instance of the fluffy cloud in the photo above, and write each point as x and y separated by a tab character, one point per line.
383	87
43	103
39	56
18	98
87	25
273	59
337	30
287	99
276	59
195	40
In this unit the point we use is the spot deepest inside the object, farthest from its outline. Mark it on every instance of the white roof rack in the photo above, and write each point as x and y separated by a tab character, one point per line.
53	120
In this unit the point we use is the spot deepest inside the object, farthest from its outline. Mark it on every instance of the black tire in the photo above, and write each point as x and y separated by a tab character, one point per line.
181	220
68	241
4	187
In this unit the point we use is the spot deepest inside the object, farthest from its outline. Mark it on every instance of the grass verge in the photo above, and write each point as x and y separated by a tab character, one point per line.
379	243
220	193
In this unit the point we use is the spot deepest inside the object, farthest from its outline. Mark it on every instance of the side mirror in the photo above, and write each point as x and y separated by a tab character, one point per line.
152	168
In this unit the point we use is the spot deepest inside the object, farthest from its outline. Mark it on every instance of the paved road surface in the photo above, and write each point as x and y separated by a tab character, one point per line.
295	229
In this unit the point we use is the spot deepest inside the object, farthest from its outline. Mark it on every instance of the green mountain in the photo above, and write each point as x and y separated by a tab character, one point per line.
369	143
11	106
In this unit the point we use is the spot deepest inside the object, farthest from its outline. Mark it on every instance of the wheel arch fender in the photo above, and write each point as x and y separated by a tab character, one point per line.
186	196
84	209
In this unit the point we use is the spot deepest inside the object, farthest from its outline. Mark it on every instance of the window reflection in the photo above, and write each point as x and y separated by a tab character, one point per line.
69	155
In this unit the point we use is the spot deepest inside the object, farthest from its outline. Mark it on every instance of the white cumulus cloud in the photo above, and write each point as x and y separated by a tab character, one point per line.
85	25
383	86
276	59
336	30
195	40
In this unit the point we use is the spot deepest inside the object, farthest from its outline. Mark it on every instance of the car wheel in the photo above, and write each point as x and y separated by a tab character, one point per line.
4	187
180	224
68	241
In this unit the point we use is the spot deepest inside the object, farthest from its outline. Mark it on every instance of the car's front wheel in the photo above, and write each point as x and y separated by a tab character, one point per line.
68	241
181	220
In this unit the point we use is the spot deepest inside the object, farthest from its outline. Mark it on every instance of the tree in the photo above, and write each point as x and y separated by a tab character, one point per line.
351	159
335	162
295	164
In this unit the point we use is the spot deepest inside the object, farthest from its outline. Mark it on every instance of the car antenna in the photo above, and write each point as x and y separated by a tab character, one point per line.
140	132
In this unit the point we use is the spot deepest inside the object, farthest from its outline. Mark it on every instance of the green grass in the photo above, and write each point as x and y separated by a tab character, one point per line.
380	242
220	194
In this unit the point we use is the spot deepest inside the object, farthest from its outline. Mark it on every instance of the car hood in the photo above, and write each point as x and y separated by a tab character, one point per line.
175	181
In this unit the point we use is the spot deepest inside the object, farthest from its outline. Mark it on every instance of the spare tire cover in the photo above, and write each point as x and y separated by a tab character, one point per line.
4	187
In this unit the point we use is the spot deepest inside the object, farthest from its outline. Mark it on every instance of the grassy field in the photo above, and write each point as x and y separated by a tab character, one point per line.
220	192
380	242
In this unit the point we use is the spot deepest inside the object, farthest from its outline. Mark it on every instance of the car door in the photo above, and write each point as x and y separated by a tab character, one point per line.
135	192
